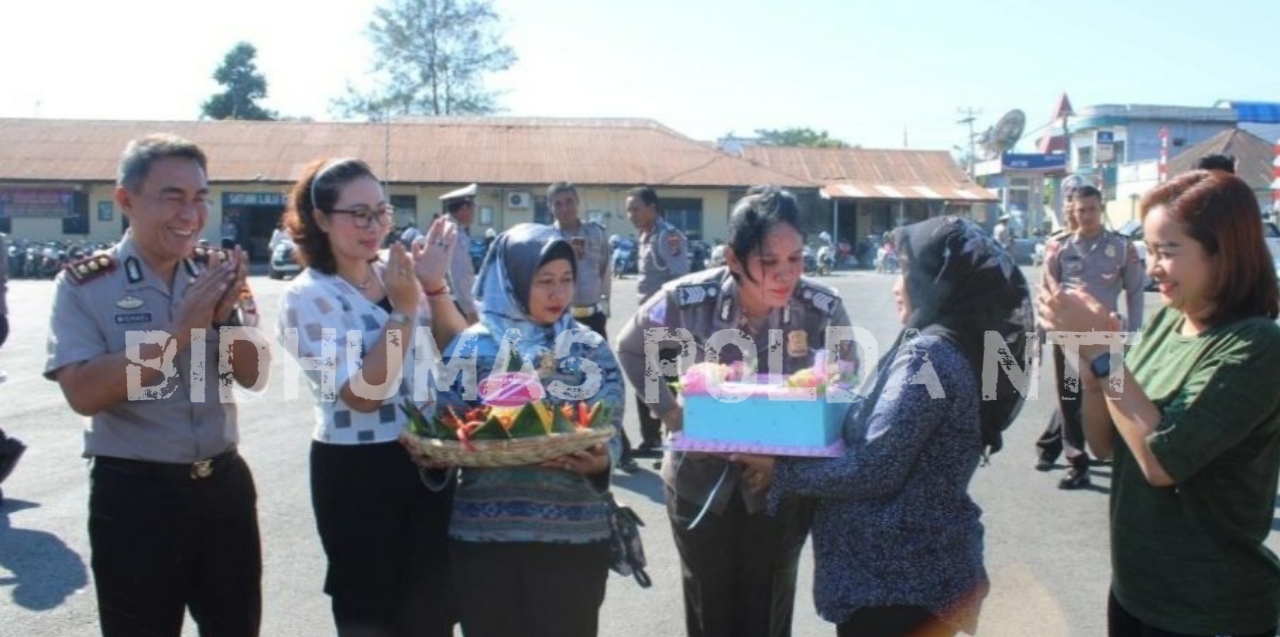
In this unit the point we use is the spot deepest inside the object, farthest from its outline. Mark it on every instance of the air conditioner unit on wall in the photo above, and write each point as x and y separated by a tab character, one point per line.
518	199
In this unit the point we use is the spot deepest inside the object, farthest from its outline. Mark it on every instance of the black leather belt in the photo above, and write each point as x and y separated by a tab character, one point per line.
198	470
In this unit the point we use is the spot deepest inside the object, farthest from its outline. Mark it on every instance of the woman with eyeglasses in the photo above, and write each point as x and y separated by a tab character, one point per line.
382	530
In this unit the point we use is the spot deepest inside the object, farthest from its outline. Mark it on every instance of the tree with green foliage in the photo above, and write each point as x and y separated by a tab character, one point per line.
798	137
244	84
432	56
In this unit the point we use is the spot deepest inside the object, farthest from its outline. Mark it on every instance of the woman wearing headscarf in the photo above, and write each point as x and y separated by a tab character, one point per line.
897	540
738	562
530	544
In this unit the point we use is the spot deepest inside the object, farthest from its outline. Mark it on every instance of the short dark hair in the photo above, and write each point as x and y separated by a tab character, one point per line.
145	151
1220	211
755	215
646	195
324	178
559	187
1217	161
1086	191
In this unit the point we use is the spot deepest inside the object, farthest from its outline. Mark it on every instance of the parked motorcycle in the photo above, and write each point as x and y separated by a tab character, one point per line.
624	258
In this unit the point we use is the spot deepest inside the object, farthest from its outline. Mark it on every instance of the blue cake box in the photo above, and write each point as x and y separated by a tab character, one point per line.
768	420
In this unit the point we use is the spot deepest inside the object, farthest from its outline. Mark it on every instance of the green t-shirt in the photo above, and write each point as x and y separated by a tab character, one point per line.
1190	558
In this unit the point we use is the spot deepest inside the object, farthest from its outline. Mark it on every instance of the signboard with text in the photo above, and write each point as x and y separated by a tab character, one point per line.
36	203
252	199
1105	143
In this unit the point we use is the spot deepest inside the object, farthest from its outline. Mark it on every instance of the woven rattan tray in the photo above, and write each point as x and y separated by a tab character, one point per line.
503	453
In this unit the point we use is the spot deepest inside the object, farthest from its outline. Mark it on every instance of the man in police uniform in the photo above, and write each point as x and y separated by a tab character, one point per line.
172	507
1102	263
460	206
664	256
590	243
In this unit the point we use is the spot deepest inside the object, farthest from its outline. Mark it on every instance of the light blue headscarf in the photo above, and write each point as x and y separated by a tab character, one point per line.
505	279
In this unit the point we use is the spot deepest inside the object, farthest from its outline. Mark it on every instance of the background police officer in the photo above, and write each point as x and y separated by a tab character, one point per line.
172	507
1103	263
590	243
664	256
460	206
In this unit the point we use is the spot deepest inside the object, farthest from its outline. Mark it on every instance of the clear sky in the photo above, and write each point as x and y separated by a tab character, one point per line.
863	70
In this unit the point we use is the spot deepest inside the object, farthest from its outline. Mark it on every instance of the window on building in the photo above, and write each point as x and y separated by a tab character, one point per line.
1084	156
78	221
685	214
1119	152
406	207
5	225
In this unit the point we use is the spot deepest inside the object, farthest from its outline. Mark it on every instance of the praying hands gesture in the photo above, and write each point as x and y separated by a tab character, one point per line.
431	254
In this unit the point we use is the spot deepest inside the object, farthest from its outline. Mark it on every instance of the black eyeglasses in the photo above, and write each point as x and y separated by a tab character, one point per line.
364	217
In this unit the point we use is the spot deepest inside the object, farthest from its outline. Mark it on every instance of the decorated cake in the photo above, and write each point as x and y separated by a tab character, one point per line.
727	411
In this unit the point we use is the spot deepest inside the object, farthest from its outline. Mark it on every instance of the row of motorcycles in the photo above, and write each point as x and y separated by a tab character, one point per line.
44	259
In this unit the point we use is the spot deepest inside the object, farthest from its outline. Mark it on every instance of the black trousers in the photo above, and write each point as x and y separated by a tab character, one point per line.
739	568
894	621
164	543
1066	429
4	329
1120	623
385	535
530	589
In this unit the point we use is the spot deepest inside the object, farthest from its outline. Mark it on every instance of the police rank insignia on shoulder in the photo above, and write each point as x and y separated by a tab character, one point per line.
90	268
822	300
696	293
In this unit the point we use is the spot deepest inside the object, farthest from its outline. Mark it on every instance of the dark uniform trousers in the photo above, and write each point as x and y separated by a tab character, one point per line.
164	542
739	568
1066	429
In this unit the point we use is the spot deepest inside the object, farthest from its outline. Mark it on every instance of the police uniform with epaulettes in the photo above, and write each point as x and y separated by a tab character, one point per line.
166	457
1103	266
709	491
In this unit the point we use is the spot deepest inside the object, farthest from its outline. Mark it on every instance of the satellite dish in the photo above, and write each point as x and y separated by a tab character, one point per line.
1005	134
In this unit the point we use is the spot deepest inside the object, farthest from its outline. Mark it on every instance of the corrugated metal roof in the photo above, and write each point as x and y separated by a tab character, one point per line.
1254	156
439	150
856	173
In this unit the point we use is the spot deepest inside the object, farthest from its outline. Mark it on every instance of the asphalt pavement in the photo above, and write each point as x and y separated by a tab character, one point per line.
1046	549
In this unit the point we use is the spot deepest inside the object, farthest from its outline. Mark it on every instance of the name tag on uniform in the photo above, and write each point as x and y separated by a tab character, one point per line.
133	319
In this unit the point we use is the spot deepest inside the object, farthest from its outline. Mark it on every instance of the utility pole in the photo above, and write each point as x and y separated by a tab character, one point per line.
970	115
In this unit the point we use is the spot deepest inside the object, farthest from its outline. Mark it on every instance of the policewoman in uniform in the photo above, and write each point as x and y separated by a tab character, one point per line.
590	242
664	256
739	563
1104	264
172	519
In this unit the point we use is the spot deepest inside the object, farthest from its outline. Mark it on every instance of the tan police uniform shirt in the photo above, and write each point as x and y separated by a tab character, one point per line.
705	303
1103	266
590	243
461	275
664	256
93	310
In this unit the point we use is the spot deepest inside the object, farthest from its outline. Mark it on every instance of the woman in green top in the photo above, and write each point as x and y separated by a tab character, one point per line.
1195	425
